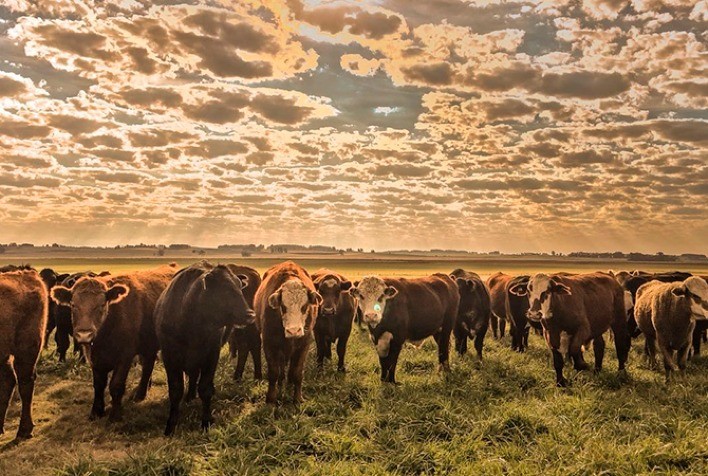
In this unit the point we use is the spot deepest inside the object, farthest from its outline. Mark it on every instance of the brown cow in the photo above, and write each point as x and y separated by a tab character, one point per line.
246	340
496	283
575	309
399	309
112	318
334	322
286	306
23	321
667	313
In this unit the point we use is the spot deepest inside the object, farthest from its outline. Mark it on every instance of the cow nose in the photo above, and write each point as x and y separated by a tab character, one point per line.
329	310
371	317
84	337
292	332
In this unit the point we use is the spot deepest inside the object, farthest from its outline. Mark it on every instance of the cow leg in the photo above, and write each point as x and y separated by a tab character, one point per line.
274	363
683	357
51	325
698	333
558	363
502	327
100	380
206	387
296	371
175	384
7	385
62	338
256	356
241	357
525	339
442	339
117	389
650	350
460	341
479	342
26	372
320	342
494	321
148	364
193	378
392	358
598	346
623	343
341	351
668	354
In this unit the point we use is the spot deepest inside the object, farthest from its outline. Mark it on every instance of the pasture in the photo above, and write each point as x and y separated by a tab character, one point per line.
501	416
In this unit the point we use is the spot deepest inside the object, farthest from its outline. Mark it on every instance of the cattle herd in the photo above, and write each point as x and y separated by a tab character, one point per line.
189	314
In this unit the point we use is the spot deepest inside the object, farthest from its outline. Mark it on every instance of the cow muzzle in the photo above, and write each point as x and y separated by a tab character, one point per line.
329	311
84	337
294	332
372	319
535	316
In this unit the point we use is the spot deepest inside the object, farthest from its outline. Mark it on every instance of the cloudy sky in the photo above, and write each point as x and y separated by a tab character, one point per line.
517	125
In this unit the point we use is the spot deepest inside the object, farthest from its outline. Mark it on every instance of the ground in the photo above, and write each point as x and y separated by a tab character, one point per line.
500	416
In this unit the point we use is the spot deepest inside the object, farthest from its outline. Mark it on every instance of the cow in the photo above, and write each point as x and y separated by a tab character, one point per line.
474	311
516	311
397	310
336	315
286	306
51	278
495	284
574	310
112	319
246	340
638	278
667	313
194	313
23	322
700	332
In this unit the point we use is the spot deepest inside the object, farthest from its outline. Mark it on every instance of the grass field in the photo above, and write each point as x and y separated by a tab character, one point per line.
501	416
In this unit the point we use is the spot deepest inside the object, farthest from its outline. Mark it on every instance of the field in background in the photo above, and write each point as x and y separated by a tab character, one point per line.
502	416
355	267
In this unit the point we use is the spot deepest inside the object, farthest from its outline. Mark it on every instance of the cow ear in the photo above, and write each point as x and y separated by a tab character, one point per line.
611	273
519	289
560	288
314	298
116	293
244	280
61	295
471	284
104	273
344	285
680	291
353	291
274	300
390	292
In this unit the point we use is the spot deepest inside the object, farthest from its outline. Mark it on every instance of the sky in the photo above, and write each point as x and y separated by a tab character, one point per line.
516	125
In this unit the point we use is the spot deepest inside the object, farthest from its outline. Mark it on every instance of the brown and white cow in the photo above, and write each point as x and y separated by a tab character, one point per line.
286	306
667	313
399	309
574	310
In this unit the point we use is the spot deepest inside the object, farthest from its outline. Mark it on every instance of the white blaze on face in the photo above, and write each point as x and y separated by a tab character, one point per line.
539	292
372	300
295	307
698	288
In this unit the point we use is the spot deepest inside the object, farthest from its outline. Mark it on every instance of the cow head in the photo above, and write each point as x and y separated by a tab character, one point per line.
540	290
49	277
695	289
331	288
470	303
222	292
373	294
296	303
89	299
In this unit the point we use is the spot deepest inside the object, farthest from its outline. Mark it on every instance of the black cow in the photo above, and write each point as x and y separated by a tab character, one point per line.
474	312
334	323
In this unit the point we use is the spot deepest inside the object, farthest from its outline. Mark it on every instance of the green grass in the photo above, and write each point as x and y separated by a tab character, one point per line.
502	416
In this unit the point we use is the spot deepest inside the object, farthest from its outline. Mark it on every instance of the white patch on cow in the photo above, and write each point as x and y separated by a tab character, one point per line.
416	343
294	299
699	288
372	300
540	283
384	344
628	302
564	342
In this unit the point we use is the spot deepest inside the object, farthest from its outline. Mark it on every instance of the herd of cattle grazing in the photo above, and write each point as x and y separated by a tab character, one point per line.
189	314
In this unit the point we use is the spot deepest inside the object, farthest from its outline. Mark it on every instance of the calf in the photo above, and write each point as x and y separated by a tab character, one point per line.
246	340
398	309
23	320
667	313
334	322
495	284
286	306
112	318
474	311
201	303
574	310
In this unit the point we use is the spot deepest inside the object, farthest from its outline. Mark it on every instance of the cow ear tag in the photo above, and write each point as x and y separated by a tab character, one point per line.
377	307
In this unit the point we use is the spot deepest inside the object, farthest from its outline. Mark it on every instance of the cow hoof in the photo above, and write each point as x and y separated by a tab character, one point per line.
563	383
115	417
257	377
96	414
342	370
21	436
207	423
139	396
